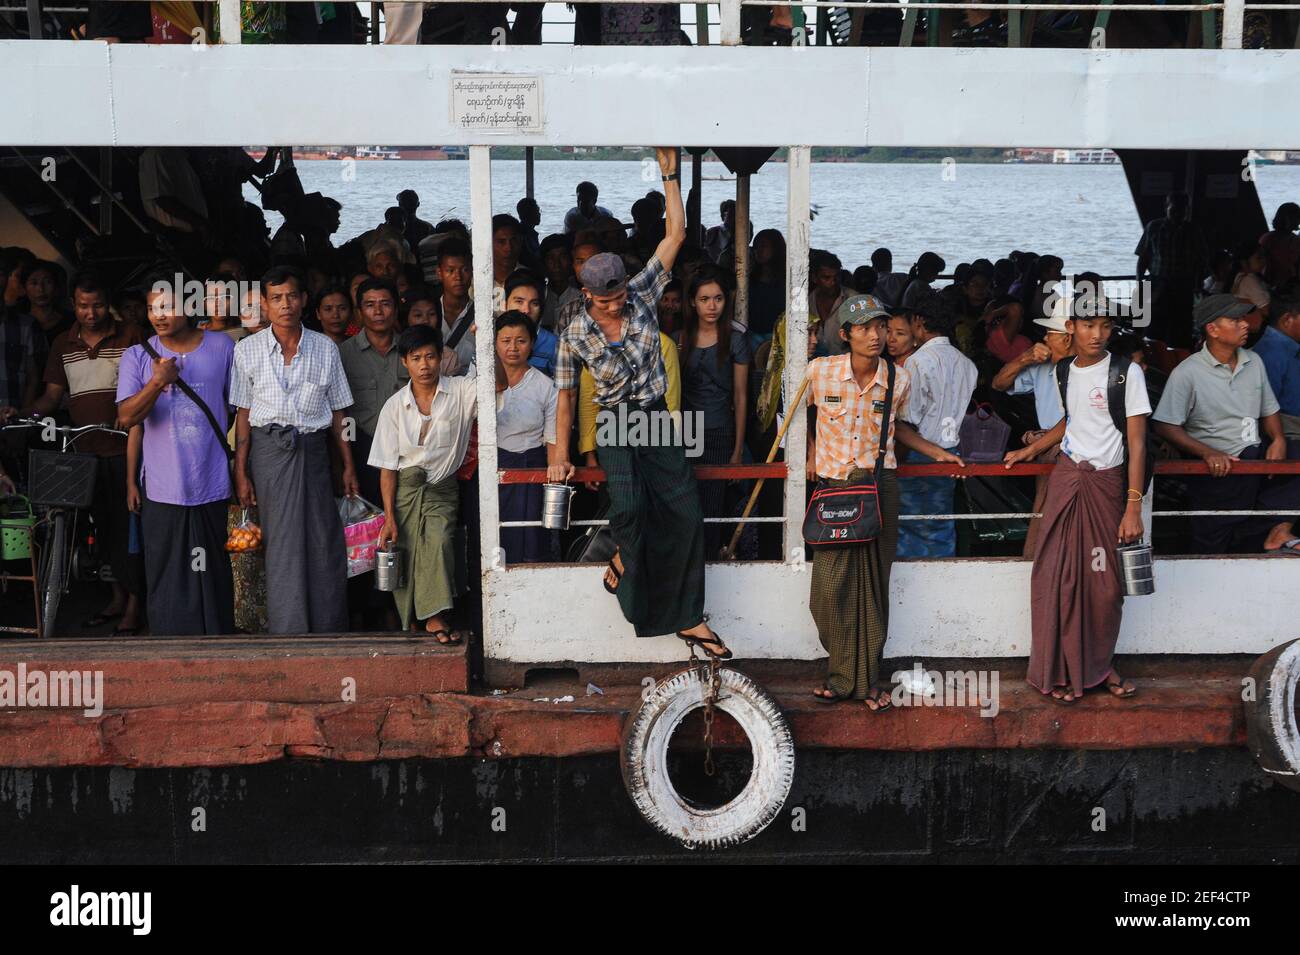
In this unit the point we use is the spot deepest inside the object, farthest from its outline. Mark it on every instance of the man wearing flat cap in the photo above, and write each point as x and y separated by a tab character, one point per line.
1218	406
657	572
860	402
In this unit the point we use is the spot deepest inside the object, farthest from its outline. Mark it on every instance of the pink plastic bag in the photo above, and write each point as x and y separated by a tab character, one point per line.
362	522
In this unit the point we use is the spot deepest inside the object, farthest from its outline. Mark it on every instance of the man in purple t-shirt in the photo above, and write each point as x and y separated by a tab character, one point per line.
184	476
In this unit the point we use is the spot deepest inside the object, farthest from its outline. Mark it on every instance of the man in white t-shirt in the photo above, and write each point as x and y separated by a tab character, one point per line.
1094	502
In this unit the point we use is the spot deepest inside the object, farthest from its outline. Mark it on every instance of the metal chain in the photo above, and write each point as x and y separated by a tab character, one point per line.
711	698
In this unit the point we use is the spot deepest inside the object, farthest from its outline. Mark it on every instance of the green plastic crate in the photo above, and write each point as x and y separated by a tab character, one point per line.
16	530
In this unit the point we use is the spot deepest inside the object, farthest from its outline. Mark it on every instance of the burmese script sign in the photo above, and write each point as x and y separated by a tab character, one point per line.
496	102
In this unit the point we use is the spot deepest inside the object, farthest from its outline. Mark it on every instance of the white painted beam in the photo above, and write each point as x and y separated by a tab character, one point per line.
798	242
962	608
480	223
144	94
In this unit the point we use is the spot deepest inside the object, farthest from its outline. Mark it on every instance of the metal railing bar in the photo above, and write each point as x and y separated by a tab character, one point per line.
1017	7
707	520
777	471
1010	516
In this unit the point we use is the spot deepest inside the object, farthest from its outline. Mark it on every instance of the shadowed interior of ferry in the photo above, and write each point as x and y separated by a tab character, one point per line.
1126	24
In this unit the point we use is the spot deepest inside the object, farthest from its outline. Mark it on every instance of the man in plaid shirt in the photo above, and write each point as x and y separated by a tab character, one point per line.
657	576
290	390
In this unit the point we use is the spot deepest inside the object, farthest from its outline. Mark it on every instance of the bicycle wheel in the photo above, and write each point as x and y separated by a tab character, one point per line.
55	564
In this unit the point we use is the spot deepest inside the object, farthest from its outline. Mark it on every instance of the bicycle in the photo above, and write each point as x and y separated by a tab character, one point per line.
61	483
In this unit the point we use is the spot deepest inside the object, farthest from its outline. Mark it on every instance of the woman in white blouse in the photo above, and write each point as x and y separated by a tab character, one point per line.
526	401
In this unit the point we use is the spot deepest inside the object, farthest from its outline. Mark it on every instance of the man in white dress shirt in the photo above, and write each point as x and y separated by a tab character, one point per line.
943	380
420	442
289	390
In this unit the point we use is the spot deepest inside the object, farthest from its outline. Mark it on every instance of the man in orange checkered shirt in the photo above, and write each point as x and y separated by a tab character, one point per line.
849	596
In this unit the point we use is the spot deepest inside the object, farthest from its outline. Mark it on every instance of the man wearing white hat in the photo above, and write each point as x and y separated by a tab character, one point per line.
1031	374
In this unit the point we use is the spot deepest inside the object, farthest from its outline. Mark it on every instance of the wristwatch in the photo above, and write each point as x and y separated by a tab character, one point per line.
671	177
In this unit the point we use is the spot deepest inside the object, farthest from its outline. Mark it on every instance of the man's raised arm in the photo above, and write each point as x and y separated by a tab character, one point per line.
674	214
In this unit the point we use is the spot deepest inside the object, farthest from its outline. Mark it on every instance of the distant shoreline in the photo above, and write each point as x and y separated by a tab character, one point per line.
875	155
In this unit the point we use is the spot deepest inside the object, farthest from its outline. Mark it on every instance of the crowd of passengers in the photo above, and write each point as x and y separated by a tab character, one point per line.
352	374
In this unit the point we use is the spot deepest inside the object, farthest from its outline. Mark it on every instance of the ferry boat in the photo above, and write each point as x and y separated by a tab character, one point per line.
377	152
371	747
1086	157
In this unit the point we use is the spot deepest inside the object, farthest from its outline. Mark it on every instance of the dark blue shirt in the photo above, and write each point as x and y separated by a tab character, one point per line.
543	357
1281	356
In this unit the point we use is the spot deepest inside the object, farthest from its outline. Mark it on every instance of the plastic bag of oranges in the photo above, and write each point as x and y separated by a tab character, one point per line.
245	537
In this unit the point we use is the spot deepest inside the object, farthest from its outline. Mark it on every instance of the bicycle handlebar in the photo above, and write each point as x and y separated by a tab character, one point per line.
59	429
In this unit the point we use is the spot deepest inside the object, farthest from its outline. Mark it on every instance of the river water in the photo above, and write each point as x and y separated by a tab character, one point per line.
1082	213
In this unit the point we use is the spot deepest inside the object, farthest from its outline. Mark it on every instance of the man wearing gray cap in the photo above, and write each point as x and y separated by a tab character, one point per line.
657	572
861	400
1218	406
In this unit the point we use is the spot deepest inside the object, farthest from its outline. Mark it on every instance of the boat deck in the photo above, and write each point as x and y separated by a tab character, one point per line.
248	700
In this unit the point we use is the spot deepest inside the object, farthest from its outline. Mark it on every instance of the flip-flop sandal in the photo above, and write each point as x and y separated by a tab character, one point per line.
882	700
439	635
618	576
458	637
822	697
1289	548
1061	700
1123	689
712	640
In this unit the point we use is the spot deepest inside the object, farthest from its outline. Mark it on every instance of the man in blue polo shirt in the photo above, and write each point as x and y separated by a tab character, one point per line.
1033	372
1218	406
1279	349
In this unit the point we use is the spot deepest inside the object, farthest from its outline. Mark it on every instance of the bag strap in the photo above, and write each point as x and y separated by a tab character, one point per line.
884	418
193	396
1116	379
1063	379
459	331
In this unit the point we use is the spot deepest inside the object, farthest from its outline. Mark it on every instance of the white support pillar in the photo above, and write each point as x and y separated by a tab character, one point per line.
729	28
798	241
742	239
480	211
1234	21
232	29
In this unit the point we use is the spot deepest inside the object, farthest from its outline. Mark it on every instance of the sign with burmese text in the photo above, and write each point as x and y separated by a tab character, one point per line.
496	102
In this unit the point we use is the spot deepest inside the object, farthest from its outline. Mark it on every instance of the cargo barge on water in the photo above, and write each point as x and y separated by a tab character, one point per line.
393	748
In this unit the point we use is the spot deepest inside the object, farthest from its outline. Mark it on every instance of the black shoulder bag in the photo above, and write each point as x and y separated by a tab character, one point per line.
850	513
1116	404
193	396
